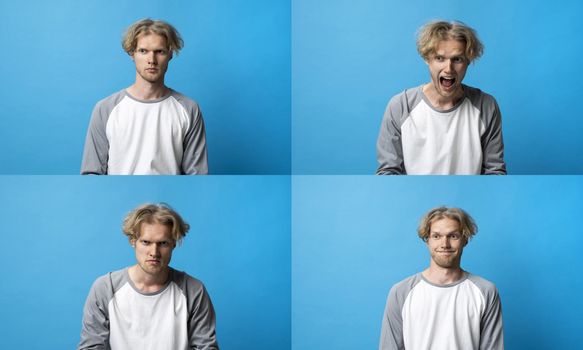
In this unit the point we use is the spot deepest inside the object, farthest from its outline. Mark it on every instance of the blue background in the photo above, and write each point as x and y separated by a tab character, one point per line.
354	237
62	56
350	57
60	233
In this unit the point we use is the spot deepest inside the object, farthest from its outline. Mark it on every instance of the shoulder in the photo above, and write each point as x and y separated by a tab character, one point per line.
487	288
479	98
186	102
408	98
106	285
402	288
111	100
188	284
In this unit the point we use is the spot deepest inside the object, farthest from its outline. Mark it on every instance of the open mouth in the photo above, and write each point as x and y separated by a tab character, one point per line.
447	82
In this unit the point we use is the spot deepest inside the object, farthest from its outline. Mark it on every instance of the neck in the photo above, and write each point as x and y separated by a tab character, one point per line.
145	90
440	102
148	283
443	275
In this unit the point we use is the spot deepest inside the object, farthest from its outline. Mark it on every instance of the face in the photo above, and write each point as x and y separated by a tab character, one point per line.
446	243
151	58
154	248
447	67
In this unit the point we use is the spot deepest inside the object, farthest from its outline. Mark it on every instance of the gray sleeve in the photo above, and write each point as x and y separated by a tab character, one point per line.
96	152
492	331
95	328
389	146
201	317
492	142
392	327
194	158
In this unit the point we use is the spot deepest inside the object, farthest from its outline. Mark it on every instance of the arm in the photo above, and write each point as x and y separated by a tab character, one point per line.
392	328
194	158
389	146
491	329
95	329
201	323
96	152
492	143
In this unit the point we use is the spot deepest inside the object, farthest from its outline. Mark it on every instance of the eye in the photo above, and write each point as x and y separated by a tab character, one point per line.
145	242
163	244
436	236
457	59
439	58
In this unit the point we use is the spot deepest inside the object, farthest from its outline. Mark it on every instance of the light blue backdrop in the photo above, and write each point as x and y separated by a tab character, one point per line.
61	56
354	237
60	233
350	57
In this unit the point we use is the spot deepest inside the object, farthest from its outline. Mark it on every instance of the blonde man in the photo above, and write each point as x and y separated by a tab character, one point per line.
443	307
443	127
149	305
147	128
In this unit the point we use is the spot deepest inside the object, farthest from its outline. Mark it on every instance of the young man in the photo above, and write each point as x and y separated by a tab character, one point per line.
149	305
148	128
443	127
443	307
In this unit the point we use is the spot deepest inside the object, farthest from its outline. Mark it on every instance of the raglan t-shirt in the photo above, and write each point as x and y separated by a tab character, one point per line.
118	316
127	136
465	315
417	139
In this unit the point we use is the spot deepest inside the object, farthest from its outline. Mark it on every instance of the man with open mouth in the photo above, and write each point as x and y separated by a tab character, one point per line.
149	305
443	307
443	127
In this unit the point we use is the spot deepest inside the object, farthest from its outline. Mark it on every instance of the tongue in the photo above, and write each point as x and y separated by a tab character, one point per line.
447	82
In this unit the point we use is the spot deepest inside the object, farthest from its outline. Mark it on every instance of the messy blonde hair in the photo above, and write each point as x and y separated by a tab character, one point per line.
160	213
434	32
467	225
148	26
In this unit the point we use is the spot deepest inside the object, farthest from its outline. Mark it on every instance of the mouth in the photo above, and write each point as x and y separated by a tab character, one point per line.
447	82
153	261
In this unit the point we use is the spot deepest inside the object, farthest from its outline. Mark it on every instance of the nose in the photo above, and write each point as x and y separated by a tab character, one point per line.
155	252
445	242
152	58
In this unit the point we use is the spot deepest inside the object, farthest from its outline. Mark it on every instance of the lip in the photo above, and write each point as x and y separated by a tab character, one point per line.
151	70
153	261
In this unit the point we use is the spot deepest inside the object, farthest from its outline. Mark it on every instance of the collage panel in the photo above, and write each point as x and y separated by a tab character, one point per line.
234	65
355	237
66	231
349	59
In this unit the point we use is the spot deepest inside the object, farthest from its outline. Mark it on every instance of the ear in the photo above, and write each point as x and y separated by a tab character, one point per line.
133	242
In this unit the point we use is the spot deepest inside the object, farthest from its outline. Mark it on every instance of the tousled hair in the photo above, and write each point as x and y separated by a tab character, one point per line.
432	33
467	225
160	213
148	26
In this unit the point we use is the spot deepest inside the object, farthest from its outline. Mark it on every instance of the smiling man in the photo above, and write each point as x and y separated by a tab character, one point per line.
443	307
147	128
149	305
443	127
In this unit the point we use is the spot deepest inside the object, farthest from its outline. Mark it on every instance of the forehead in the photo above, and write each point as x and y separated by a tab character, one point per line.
155	232
450	46
149	39
444	225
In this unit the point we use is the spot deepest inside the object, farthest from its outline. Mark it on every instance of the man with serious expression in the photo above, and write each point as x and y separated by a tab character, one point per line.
147	128
149	305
